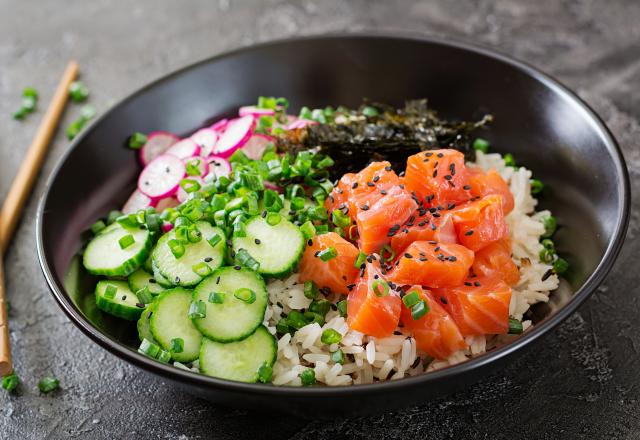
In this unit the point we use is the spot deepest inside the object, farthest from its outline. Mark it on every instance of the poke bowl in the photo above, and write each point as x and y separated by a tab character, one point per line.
293	226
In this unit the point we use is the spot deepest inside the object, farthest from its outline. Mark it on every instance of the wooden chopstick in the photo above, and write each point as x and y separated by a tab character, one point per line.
21	189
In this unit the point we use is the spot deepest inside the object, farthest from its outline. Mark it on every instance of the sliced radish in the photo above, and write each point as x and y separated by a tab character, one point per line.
256	111
157	143
218	166
136	202
166	227
300	123
169	202
235	136
161	178
185	148
256	145
200	162
220	125
182	195
271	185
206	139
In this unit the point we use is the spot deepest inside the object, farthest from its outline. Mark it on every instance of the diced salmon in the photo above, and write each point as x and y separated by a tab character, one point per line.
370	313
479	306
341	197
495	260
437	175
480	222
374	221
336	273
490	182
439	229
432	264
436	333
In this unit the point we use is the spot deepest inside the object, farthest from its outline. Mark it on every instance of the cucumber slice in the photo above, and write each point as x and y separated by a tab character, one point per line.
180	270
147	263
279	249
144	325
161	280
233	319
141	279
240	360
124	304
104	256
170	320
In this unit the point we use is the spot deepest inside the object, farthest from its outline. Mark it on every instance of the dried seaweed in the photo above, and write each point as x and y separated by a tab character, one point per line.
377	131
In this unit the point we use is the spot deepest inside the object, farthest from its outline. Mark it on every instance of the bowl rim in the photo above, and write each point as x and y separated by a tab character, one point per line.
172	373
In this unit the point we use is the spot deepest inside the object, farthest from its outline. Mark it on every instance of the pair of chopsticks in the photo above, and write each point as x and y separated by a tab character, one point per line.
20	191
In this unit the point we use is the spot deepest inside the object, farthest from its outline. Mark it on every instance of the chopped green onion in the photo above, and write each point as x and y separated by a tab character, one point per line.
536	186
144	296
29	100
137	141
295	191
419	310
362	257
189	185
128	221
48	384
411	299
10	382
219	218
265	372
176	345
337	357
317	213
320	306
311	290
164	356
193	167
481	145
321	229
308	377
305	113
78	91
197	309
390	252
202	269
326	162
318	115
509	160
246	295
214	239
282	327
339	219
515	326
330	336
88	112
380	288
273	218
308	230
181	221
216	297
126	241
176	247
546	255
30	92
370	111
239	157
252	181
550	225
239	227
560	266
353	232
297	203
154	351
548	244
193	234
244	258
314	317
327	254
97	227
113	216
295	319
342	308
110	291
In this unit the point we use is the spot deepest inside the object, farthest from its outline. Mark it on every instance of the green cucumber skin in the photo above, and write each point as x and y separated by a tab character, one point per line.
116	306
214	370
162	281
144	325
128	266
203	290
159	330
296	253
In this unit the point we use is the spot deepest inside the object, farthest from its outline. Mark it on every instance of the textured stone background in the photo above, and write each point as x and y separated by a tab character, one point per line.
586	386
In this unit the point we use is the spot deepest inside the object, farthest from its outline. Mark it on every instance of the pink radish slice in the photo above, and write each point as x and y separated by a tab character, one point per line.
161	178
184	149
200	162
182	195
220	125
271	185
300	123
169	202
206	139
256	145
218	166
166	227
256	111
157	143
136	202
235	136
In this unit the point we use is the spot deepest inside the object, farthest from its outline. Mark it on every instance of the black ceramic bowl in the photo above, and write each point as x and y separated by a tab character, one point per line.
545	126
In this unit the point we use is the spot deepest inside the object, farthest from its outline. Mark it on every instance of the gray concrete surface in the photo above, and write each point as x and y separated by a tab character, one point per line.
581	383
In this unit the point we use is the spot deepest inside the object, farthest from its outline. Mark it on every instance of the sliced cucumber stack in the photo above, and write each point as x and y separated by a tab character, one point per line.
170	322
181	270
144	325
240	360
235	304
160	279
277	248
115	298
117	251
141	279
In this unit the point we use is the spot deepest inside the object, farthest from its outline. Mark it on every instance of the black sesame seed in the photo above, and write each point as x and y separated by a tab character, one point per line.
407	255
257	241
208	259
436	214
416	362
264	214
218	280
355	185
152	281
124	297
452	258
371	184
443	300
440	155
387	168
466	187
428	154
401	186
140	305
364	207
466	283
350	286
310	242
375	277
436	249
432	242
435	173
547	274
376	178
477	283
447	177
149	314
469	232
316	253
423	259
451	206
232	254
237	267
177	280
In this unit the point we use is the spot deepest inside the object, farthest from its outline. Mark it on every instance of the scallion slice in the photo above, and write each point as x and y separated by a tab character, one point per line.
176	345
560	266
144	296
411	299
362	257
311	290
265	372
380	288
273	218
342	308
10	382
216	297
515	326
327	254
137	141
78	91
390	253
481	145
340	219
202	269
126	241
308	377
110	292
244	258
48	384
197	309
308	230
550	225
176	247
97	227
419	310
246	295
214	239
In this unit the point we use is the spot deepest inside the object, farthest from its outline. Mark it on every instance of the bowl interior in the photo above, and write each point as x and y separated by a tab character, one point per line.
543	126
